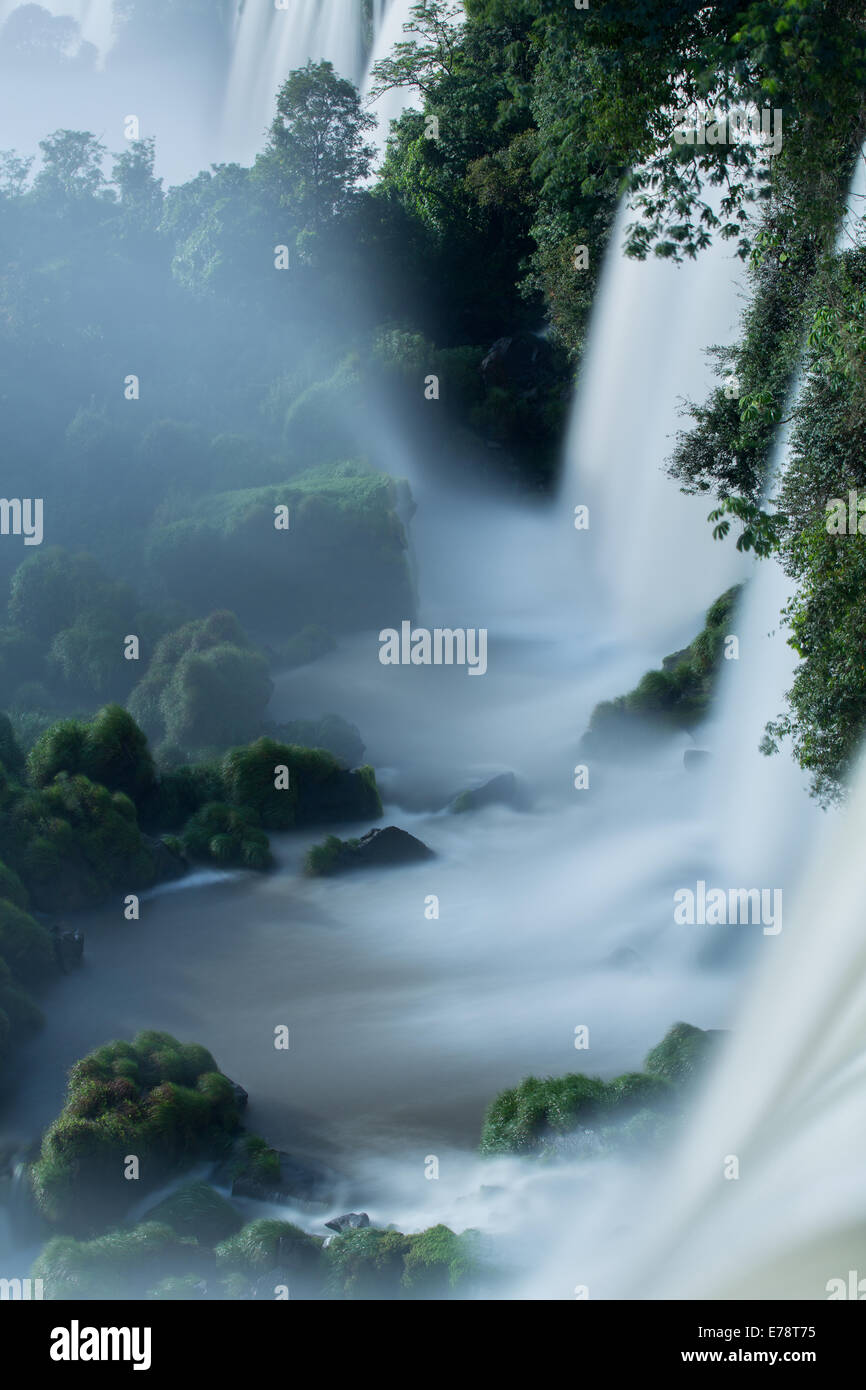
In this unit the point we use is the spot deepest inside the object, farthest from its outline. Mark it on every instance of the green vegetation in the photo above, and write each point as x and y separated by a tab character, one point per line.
161	1101
319	789
331	732
341	566
325	859
205	687
74	843
119	1264
682	1054
267	1245
678	696
180	1259
583	1115
227	836
199	1213
379	1264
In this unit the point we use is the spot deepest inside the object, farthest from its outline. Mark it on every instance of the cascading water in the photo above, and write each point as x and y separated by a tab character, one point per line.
267	44
649	552
789	1103
403	1028
219	111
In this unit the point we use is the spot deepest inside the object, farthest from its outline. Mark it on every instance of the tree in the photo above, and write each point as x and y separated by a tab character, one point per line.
34	38
14	173
316	154
205	687
418	65
217	697
140	192
111	751
52	589
71	165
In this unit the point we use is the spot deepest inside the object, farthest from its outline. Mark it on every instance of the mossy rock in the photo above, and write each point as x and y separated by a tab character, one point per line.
159	1100
187	1288
120	1264
683	1053
12	889
438	1263
378	849
26	946
318	791
267	1254
678	696
536	1115
198	1211
366	1264
228	836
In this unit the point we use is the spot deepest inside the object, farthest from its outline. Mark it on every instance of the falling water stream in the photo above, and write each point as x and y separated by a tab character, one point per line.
403	1028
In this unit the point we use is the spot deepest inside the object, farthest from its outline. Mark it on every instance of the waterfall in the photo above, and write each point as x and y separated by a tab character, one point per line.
649	553
789	1103
786	1102
771	825
267	44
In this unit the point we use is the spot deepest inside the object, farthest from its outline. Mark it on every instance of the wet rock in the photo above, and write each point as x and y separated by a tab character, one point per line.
241	1096
68	946
304	1182
504	790
377	849
353	1221
168	863
390	845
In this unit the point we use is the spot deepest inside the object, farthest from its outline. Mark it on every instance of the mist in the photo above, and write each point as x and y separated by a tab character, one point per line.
295	350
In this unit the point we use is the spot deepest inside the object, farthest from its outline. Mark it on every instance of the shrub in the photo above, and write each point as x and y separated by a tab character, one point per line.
319	790
437	1263
26	947
533	1116
366	1264
119	1264
155	1098
682	1053
111	750
198	1212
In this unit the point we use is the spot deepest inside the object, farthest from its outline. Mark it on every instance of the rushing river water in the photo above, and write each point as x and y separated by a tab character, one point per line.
556	915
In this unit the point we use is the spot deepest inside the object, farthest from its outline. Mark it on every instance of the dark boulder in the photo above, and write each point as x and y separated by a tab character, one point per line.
241	1096
504	790
378	849
68	946
352	1221
389	846
302	1181
167	861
